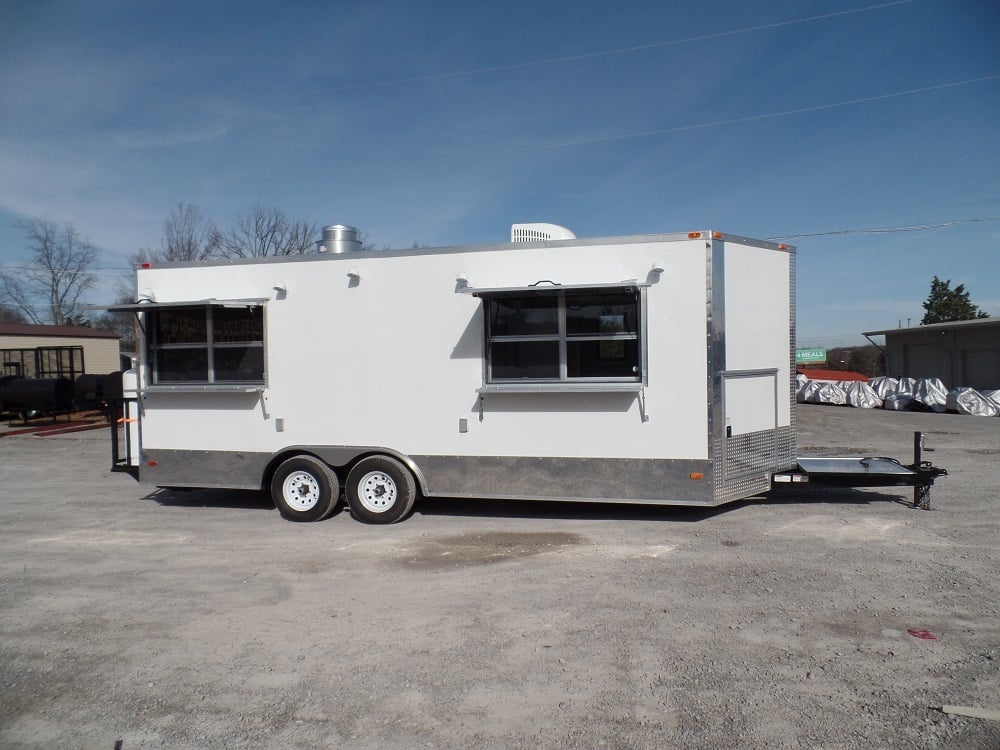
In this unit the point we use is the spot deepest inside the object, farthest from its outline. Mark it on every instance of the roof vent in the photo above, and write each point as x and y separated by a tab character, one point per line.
339	238
539	233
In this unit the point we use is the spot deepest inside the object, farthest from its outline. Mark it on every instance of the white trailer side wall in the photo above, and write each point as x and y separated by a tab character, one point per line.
385	352
757	300
395	359
753	423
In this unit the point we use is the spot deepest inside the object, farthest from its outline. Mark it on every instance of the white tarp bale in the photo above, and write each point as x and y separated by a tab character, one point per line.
808	394
930	392
906	386
862	396
897	402
830	393
822	392
883	386
993	396
801	381
972	402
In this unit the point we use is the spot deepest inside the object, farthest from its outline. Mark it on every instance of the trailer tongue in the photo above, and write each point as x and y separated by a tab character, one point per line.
872	471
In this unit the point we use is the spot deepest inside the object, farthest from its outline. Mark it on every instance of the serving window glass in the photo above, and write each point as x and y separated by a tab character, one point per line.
206	344
564	336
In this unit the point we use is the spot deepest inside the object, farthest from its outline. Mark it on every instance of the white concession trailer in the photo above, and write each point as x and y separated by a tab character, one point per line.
651	369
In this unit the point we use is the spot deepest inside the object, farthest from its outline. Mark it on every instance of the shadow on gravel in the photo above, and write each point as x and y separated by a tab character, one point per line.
245	499
563	510
836	496
470	508
670	513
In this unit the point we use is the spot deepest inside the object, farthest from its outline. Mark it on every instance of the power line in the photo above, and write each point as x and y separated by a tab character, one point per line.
98	269
889	230
616	51
718	123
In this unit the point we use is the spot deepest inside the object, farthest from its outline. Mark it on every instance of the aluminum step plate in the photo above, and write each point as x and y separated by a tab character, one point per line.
850	465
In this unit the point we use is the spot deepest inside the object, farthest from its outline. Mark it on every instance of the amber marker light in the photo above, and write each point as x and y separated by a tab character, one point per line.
717	235
694	235
696	475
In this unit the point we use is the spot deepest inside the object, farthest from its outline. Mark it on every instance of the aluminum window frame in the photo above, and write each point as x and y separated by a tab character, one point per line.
209	347
564	381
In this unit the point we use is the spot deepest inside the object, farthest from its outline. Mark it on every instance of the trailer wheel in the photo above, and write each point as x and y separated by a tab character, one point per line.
380	490
305	489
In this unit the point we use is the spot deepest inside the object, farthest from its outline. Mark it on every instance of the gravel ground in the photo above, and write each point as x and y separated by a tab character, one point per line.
204	620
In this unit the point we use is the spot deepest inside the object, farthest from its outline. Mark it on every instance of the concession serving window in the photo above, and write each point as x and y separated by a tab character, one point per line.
207	343
567	337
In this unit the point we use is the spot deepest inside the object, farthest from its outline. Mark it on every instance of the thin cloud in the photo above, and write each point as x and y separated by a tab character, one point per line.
139	141
733	121
614	52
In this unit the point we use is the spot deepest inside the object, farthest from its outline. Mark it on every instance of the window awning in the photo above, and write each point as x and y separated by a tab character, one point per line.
542	287
145	306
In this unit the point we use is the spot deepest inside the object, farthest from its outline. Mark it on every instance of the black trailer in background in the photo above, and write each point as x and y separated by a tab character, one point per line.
48	381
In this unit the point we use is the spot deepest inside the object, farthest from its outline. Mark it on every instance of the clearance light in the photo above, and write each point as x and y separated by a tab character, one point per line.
696	475
145	265
789	478
694	235
717	235
782	246
152	463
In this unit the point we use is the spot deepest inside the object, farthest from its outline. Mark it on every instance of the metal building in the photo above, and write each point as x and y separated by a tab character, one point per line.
41	351
964	353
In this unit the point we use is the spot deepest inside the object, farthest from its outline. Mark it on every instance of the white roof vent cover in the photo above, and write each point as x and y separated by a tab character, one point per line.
539	232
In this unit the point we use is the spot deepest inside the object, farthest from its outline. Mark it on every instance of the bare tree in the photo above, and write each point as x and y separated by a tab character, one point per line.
267	231
10	314
187	236
124	324
56	274
368	244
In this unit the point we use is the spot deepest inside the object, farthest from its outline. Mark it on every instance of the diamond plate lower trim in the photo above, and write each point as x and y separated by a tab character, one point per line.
744	463
740	488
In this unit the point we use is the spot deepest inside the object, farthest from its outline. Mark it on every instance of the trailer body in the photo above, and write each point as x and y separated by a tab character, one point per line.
644	369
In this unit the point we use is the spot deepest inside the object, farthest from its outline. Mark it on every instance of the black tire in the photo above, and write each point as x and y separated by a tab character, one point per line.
305	489
380	490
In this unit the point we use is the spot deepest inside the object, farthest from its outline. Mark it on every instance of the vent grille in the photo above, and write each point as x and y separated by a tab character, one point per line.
539	233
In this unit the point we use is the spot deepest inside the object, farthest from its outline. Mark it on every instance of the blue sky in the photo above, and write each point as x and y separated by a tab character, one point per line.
444	122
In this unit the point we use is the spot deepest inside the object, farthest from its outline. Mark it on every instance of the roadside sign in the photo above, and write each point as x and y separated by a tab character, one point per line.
806	356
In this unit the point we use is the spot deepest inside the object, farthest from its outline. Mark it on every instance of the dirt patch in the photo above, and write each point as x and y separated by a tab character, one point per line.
485	549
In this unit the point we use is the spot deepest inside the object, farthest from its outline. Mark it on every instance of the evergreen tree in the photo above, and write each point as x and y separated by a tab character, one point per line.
945	304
